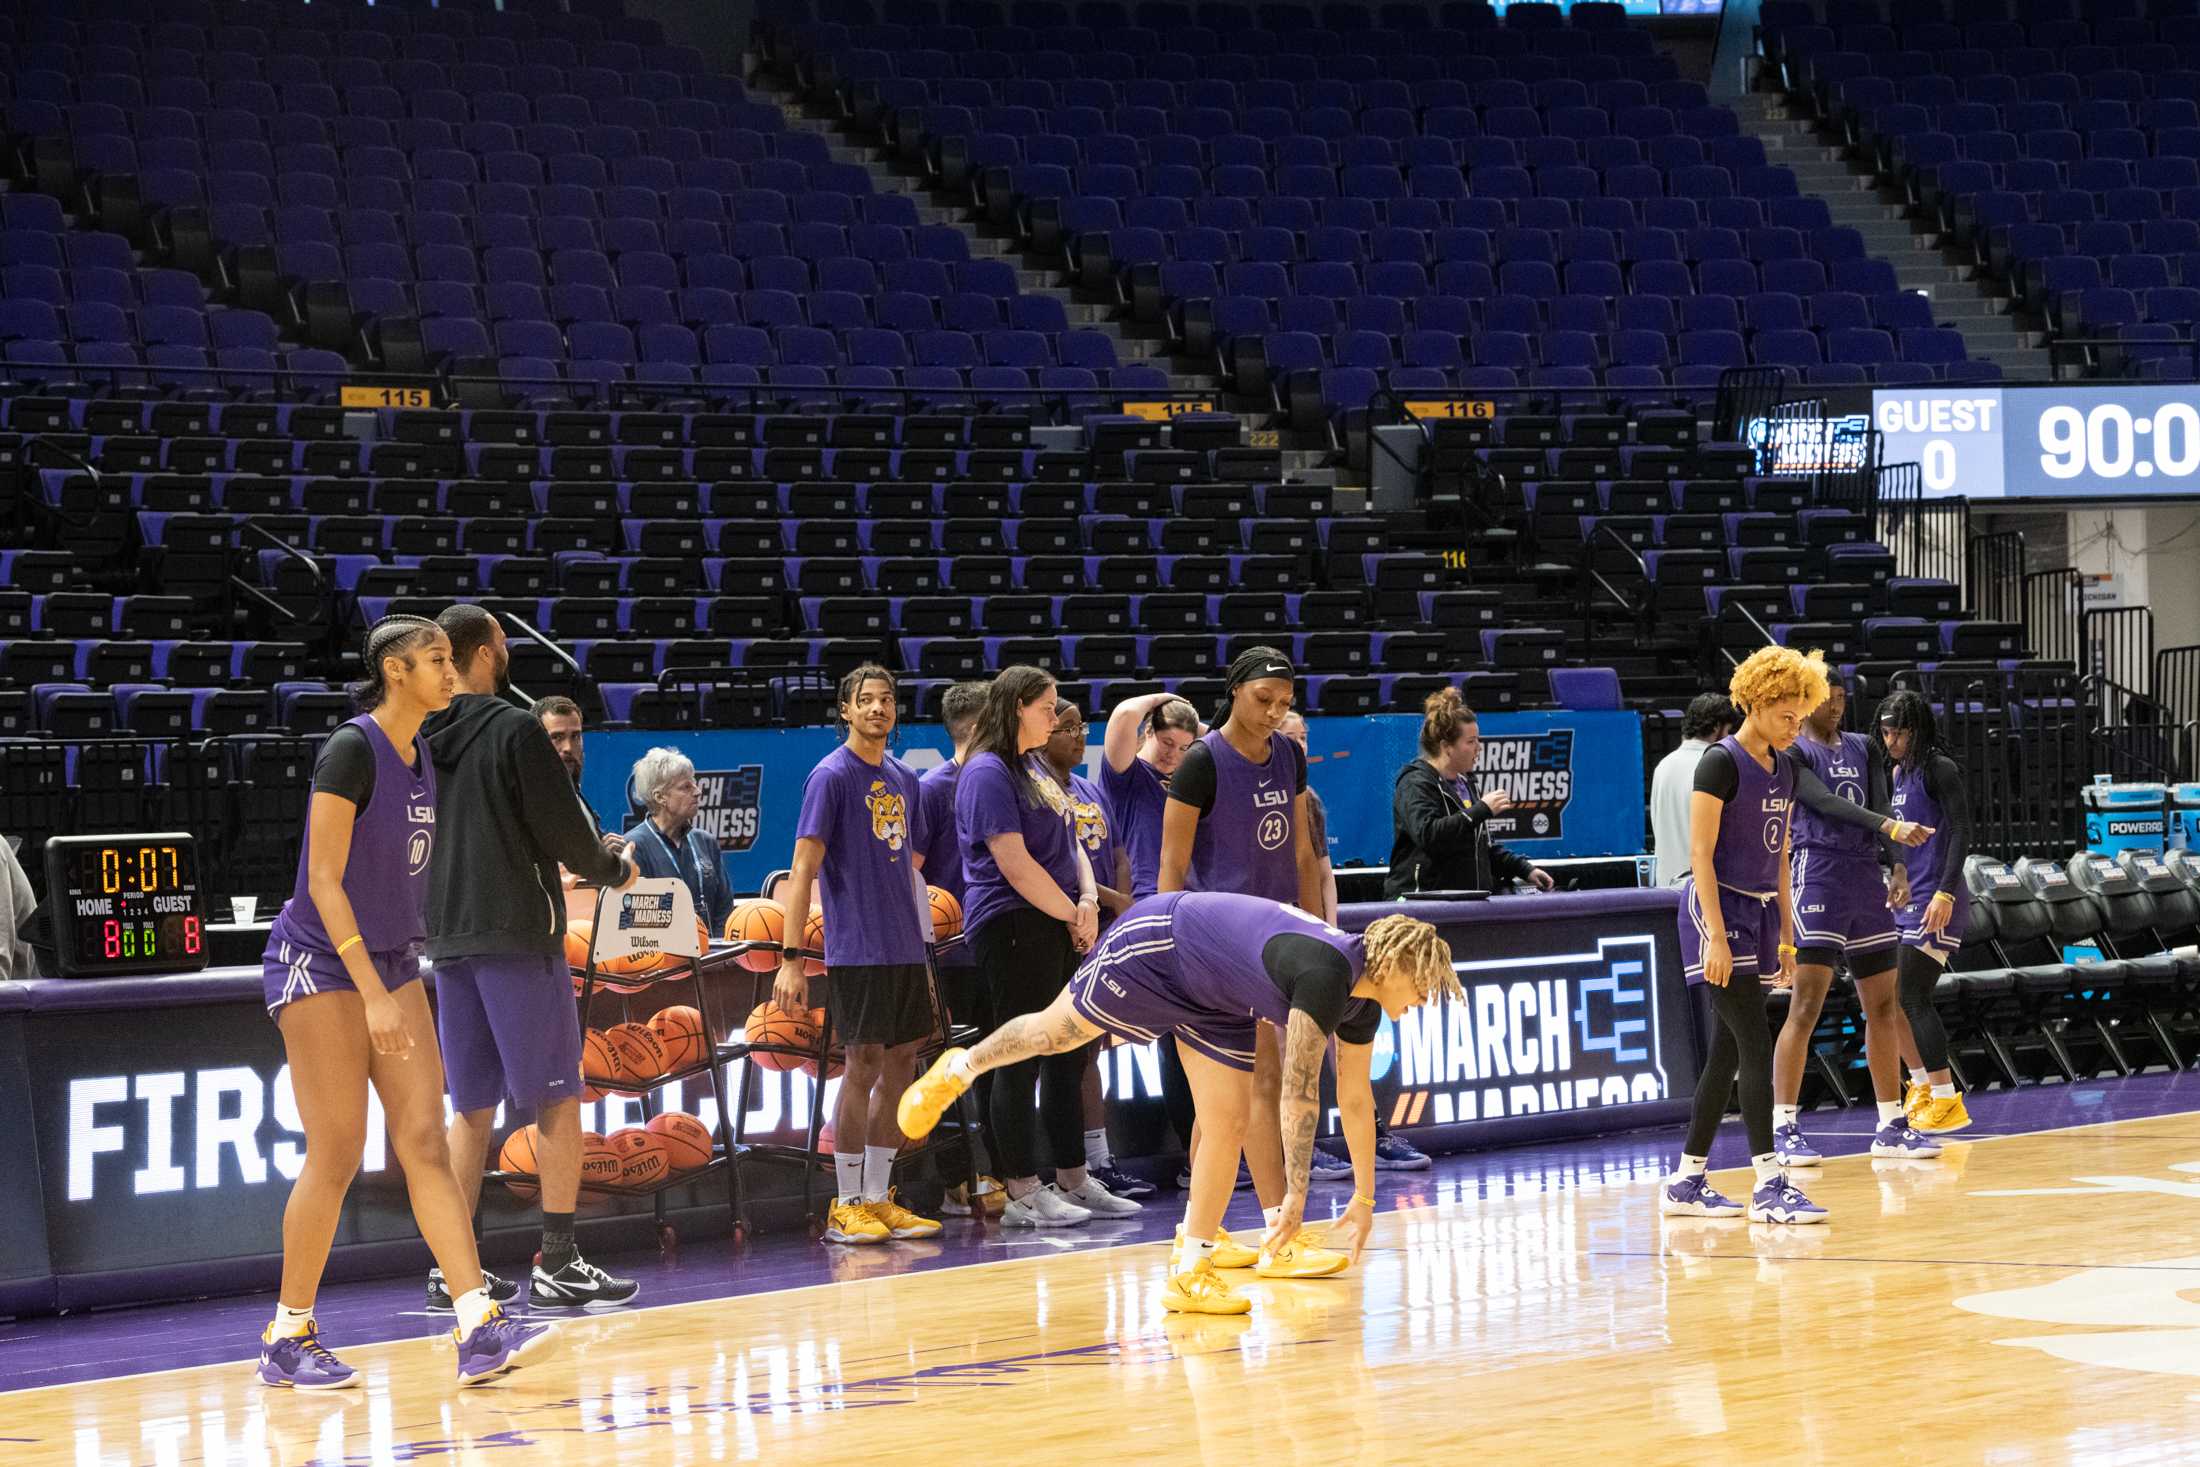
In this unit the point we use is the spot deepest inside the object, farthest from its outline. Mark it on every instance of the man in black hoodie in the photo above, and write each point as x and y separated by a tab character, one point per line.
509	817
1443	841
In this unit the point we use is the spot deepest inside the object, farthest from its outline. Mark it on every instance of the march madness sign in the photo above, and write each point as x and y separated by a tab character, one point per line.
1537	770
732	807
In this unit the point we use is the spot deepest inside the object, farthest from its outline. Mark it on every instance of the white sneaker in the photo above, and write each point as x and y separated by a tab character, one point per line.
1043	1208
1098	1200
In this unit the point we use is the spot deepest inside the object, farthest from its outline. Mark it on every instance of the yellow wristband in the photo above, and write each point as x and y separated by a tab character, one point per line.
1788	947
348	943
1361	1197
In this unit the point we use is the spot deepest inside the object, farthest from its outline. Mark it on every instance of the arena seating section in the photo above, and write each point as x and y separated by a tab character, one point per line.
2056	144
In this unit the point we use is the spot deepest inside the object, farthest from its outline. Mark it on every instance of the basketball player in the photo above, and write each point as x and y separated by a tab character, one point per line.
496	934
1842	911
1928	786
1737	920
342	981
1216	968
857	841
1033	906
1236	821
1065	750
966	1002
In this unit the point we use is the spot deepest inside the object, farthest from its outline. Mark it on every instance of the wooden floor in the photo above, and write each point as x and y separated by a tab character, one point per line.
2018	1302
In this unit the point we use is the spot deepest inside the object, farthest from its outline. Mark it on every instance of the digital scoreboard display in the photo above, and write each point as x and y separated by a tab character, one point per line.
2126	441
125	904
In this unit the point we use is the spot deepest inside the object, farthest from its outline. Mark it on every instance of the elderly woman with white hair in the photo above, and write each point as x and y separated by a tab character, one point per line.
666	842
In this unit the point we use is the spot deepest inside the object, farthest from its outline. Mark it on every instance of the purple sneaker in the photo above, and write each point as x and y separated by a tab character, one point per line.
303	1363
1780	1201
1695	1197
1897	1139
502	1344
1791	1149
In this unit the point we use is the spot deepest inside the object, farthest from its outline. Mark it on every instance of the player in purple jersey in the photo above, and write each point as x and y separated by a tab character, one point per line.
1216	969
1737	921
1928	786
342	980
1843	913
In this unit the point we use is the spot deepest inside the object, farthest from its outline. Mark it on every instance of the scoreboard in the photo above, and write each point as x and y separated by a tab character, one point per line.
2108	442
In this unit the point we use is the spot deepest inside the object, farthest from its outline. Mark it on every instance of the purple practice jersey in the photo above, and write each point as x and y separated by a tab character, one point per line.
1914	801
1754	827
386	872
1211	943
1844	767
1244	843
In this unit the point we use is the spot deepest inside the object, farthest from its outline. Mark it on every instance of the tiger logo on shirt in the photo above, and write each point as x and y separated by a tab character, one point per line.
1092	825
889	815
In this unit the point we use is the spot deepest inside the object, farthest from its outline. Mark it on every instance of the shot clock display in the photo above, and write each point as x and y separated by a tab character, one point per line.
2108	442
125	904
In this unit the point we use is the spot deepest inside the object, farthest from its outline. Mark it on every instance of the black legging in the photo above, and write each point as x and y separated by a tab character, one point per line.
1916	976
1024	959
1741	1049
969	1002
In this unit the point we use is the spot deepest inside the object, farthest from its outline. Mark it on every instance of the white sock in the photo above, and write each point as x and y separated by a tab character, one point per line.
1920	1077
1784	1115
474	1310
961	1068
1890	1111
1269	1215
1096	1149
878	1171
1768	1166
1692	1166
1945	1092
848	1169
1193	1252
289	1322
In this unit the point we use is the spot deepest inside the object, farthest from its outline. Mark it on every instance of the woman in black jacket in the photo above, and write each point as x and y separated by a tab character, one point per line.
1443	842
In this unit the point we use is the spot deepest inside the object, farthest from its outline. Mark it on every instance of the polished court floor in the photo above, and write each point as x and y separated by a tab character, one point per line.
2032	1298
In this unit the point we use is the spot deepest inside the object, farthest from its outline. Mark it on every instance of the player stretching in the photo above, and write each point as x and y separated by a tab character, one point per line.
1929	786
342	981
1213	968
1737	920
1843	914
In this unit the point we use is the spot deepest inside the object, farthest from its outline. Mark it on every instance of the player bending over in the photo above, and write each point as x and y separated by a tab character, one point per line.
1178	963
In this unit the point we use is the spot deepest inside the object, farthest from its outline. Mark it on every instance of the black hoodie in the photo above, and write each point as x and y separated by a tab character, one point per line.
1442	845
507	816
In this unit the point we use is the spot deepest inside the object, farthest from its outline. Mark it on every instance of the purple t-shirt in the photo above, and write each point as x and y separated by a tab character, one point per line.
943	862
1095	829
871	820
1137	796
991	799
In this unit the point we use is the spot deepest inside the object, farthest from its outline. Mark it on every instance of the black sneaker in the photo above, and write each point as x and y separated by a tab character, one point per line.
504	1291
1120	1182
1330	1164
1396	1154
579	1285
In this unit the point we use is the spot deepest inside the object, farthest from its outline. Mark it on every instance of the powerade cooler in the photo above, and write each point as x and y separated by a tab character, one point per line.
2124	817
2184	817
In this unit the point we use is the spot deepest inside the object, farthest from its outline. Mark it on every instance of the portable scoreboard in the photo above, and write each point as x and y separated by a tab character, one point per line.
125	904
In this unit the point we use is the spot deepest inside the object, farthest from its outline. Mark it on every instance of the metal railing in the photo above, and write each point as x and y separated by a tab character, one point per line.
1593	578
2053	604
1993	579
2122	359
1927	537
2117	646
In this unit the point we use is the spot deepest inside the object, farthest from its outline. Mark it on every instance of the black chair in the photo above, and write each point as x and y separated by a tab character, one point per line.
2138	1014
2074	1020
2017	1004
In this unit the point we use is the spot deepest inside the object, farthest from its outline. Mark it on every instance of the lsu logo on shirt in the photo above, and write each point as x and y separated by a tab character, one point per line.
1091	826
889	815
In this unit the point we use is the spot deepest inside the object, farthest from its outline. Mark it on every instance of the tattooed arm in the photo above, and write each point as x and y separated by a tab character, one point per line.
1050	1031
1299	1110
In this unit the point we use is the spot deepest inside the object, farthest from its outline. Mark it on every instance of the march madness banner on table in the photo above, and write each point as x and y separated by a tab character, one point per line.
1575	779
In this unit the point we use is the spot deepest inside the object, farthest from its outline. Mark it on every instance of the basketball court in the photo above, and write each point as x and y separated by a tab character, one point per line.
2027	1299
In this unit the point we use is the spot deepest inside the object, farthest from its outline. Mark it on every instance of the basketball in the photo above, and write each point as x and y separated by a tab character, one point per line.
836	1058
687	1141
599	1061
759	919
947	914
632	965
813	941
599	1163
518	1156
643	1159
679	1030
639	1052
770	1025
580	935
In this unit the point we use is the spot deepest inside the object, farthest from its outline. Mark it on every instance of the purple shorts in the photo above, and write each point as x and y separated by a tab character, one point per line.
1841	909
291	971
1939	946
1139	998
1752	932
509	1030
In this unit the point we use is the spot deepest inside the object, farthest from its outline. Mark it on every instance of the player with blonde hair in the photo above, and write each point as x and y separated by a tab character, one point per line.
1184	963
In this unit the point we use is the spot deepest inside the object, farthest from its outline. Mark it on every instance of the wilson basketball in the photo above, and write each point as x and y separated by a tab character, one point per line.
639	1052
947	914
599	1061
680	1030
518	1156
759	919
633	965
770	1025
836	1058
813	941
580	935
687	1141
599	1163
643	1159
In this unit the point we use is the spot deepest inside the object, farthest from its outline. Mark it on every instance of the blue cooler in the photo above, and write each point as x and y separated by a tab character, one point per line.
2184	817
2124	817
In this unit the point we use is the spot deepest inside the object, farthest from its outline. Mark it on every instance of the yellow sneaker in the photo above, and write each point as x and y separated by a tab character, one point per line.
1915	1097
852	1222
1200	1290
1942	1114
1227	1254
1300	1260
899	1221
924	1102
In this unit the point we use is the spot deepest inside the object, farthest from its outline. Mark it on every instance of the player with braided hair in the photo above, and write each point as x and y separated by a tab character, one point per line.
1182	963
